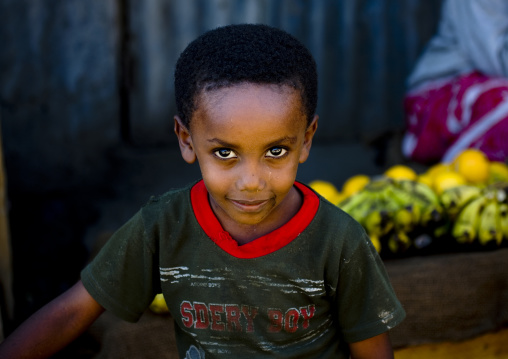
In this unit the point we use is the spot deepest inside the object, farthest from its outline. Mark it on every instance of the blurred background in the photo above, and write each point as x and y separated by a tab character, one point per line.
86	110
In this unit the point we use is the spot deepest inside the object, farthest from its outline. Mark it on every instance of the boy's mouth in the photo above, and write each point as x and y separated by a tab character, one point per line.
249	206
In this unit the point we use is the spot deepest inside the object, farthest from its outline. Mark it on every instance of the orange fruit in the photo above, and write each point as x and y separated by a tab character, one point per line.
447	180
438	168
354	184
473	165
401	172
326	189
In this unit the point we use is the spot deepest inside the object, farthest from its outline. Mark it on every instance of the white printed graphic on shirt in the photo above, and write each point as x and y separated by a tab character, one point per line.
214	278
196	316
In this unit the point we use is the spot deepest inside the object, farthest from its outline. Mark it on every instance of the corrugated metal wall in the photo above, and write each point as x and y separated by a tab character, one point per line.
364	50
77	77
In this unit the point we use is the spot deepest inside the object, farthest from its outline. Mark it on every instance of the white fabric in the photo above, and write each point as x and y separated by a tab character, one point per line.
472	35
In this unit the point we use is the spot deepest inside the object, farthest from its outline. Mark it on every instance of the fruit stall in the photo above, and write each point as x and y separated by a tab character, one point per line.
451	207
443	236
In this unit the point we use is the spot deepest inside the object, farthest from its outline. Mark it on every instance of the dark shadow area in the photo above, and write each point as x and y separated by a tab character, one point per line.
47	233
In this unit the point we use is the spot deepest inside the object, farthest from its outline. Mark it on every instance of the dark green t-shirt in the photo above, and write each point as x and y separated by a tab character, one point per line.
304	290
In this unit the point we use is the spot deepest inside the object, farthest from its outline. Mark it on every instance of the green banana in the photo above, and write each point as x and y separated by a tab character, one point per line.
378	184
354	200
419	189
424	199
455	198
406	200
489	226
399	196
362	209
465	228
503	219
387	204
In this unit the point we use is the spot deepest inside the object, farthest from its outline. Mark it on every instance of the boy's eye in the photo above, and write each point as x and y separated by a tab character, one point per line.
276	152
225	153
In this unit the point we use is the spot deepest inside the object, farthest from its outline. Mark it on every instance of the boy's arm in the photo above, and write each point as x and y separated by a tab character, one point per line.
54	326
378	347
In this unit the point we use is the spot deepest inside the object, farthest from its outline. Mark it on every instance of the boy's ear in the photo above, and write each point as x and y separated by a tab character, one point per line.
185	141
307	142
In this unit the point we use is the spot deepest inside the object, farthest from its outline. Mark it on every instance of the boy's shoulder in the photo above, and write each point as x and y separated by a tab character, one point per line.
169	196
170	206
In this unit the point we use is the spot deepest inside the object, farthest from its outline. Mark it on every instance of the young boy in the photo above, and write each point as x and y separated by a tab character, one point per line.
251	263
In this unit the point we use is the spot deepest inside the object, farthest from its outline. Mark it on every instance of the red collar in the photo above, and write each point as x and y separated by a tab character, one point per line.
266	244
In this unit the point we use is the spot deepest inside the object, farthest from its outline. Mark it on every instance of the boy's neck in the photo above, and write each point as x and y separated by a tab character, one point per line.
244	234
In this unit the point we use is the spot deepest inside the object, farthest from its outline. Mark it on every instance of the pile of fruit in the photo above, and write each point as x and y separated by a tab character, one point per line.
450	206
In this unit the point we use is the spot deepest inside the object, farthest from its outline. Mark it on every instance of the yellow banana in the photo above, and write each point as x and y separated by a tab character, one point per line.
465	228
404	219
416	211
503	219
489	226
399	242
376	242
431	215
377	223
455	198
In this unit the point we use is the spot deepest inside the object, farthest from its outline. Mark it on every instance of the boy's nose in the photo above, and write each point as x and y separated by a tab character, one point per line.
250	178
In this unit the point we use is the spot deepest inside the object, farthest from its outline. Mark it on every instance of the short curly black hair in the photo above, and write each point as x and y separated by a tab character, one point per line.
253	53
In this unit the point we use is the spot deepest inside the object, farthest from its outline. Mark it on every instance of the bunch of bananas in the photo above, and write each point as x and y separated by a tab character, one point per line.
392	211
479	215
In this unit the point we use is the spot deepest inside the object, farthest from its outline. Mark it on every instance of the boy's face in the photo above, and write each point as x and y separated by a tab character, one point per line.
249	140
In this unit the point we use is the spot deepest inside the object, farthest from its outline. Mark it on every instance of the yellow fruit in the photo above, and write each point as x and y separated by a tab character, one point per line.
400	172
425	179
340	197
376	242
498	172
473	165
438	168
159	305
447	180
326	189
354	184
